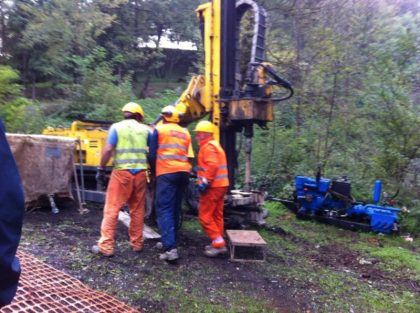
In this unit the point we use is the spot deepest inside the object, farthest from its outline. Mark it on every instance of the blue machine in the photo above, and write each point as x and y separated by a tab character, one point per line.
332	200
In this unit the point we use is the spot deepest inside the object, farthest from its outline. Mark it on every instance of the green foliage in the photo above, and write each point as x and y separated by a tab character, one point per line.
410	221
153	106
9	90
46	34
17	112
99	95
353	67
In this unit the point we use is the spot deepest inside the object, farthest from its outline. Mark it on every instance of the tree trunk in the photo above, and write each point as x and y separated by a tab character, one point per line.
33	88
3	28
143	92
332	102
299	43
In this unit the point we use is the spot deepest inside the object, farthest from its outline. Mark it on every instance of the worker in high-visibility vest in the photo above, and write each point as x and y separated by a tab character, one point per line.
12	207
169	157
213	183
128	141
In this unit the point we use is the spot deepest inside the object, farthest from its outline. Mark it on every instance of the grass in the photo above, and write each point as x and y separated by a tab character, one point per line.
290	266
347	293
192	225
398	257
341	291
377	301
180	299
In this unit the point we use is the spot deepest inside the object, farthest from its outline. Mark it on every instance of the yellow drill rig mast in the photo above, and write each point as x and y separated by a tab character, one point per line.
235	101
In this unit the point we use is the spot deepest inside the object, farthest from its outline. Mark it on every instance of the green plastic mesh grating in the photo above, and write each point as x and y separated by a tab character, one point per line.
44	289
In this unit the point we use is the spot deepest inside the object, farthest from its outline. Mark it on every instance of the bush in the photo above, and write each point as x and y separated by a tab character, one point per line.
18	113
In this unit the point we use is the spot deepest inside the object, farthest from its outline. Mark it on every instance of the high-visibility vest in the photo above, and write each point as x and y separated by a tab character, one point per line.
131	149
221	178
172	151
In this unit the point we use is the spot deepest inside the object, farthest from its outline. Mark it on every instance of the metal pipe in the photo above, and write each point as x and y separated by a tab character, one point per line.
82	176
79	199
248	151
248	134
54	208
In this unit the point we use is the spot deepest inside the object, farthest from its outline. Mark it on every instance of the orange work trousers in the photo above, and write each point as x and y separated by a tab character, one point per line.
124	188
210	211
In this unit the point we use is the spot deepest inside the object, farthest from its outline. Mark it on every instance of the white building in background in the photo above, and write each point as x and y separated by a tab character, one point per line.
166	43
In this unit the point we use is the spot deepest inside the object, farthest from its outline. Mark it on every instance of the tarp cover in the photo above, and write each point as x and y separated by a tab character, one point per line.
45	164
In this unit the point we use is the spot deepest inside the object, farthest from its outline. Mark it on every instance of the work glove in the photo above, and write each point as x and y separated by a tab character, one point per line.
101	177
150	176
202	184
194	171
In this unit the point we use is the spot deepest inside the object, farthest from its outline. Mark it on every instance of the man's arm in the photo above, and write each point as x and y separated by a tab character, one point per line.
106	154
109	147
211	162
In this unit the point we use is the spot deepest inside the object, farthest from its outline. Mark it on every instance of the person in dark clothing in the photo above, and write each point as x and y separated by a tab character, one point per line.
170	149
12	207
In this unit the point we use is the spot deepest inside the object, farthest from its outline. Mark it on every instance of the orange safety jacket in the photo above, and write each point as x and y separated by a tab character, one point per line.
212	164
172	150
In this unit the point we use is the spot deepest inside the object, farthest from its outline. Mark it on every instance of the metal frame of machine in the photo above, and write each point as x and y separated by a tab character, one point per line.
331	201
235	101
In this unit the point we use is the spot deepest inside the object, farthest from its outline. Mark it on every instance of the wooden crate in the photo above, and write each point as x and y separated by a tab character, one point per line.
246	246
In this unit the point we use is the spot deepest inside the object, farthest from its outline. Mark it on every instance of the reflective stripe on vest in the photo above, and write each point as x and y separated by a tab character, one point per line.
203	169
128	161
173	157
221	178
131	149
174	146
172	152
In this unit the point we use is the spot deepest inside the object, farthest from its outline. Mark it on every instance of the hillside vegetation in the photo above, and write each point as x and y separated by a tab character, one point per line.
353	64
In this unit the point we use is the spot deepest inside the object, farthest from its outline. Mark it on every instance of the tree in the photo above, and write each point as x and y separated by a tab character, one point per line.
143	21
352	64
54	31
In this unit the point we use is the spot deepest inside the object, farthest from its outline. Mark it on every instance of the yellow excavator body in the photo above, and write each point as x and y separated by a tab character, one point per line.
91	137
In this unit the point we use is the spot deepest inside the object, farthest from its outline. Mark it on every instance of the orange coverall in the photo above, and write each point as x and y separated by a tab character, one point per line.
121	190
212	165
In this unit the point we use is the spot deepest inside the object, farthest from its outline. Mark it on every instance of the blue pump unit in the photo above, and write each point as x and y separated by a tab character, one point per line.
332	200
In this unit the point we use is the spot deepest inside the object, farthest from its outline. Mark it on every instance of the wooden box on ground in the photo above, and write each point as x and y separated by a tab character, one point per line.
246	246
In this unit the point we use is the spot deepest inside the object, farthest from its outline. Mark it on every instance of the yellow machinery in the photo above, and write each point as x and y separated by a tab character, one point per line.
91	136
235	96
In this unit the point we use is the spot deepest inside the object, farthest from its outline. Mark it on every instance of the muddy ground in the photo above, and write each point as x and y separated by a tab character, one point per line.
315	270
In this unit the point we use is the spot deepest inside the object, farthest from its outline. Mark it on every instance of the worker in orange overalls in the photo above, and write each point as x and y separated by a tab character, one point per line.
213	183
128	141
169	158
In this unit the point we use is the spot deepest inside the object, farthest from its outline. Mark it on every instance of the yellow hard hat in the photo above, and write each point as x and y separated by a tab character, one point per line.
133	107
205	127
170	114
